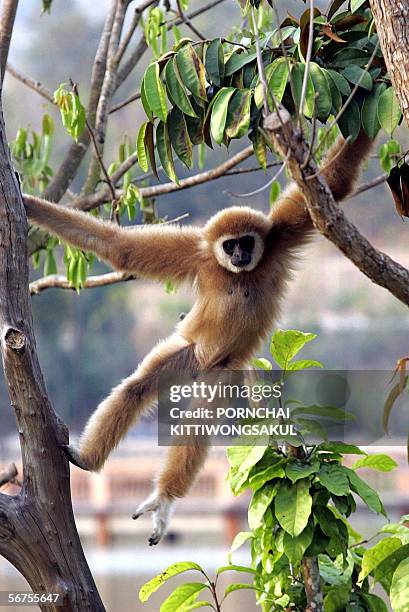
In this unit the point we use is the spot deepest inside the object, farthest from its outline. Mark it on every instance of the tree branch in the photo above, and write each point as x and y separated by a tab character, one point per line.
31	83
7	17
98	198
311	574
328	217
59	281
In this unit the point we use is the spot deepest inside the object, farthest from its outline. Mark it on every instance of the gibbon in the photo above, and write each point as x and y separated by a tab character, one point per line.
239	264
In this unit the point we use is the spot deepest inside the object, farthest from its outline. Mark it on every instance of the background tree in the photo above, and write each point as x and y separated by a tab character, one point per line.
326	68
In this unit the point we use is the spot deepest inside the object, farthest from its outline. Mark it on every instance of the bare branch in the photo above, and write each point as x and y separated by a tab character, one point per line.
96	199
370	185
31	83
8	474
188	22
131	30
7	17
132	98
307	62
264	187
59	281
328	217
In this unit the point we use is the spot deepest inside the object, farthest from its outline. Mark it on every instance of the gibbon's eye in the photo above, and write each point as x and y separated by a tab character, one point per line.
246	243
228	245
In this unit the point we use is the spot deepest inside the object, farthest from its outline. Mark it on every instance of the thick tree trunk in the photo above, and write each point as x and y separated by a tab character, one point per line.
392	23
37	529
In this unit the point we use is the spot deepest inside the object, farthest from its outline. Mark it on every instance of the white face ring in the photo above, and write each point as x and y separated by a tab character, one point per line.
225	260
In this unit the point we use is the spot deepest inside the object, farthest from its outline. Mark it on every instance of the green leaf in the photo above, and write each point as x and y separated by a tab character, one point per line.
356	4
385	570
341	83
389	113
155	91
237	587
295	547
239	539
304	364
326	521
365	492
263	364
179	136
297	469
181	597
50	265
176	90
235	568
355	74
237	60
260	501
275	191
297	78
165	151
276	77
244	457
350	121
140	147
259	147
382	463
214	62
369	111
375	603
238	114
192	71
150	147
259	479
286	344
399	593
336	97
341	447
323	97
293	505
219	112
375	555
173	570
337	598
334	479
145	104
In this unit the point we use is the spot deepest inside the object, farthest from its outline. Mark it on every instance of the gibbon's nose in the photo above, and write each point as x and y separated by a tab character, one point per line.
240	258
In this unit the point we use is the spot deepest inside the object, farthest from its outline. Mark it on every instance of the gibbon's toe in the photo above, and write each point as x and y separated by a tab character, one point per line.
161	508
74	457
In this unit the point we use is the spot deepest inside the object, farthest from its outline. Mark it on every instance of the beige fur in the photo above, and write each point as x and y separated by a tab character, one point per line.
233	313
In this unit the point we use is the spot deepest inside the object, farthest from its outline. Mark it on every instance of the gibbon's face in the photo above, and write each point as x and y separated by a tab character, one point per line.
236	236
239	253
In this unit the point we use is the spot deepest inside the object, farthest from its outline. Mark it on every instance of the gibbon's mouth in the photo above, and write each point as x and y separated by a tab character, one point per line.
241	263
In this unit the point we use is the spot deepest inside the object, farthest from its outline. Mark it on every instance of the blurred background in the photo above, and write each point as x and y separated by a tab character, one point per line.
87	343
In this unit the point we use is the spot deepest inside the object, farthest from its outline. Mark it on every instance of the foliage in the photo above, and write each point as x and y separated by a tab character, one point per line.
301	499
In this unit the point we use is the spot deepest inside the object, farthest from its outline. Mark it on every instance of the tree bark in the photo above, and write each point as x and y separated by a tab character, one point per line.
37	529
392	24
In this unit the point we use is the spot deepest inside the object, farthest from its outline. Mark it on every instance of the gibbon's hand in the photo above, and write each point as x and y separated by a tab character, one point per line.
161	509
74	457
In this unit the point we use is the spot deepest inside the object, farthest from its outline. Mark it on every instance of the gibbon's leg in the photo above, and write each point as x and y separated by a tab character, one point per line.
115	415
182	465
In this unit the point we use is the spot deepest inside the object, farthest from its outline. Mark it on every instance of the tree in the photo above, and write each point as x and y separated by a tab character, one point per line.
194	92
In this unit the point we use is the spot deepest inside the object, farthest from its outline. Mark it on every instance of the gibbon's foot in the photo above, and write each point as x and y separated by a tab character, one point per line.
74	457
161	509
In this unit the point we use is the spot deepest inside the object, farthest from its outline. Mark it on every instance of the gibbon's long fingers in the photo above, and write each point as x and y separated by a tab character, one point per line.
161	507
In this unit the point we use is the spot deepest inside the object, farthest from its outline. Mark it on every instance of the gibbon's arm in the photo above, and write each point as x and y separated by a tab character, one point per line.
290	215
153	251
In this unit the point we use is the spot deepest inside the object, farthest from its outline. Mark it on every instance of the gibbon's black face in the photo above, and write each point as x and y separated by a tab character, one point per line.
240	250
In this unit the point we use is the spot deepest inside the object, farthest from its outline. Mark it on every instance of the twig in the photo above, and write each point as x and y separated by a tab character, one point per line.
370	185
187	21
96	199
307	63
131	30
264	187
260	65
132	98
31	83
59	281
7	17
8	474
